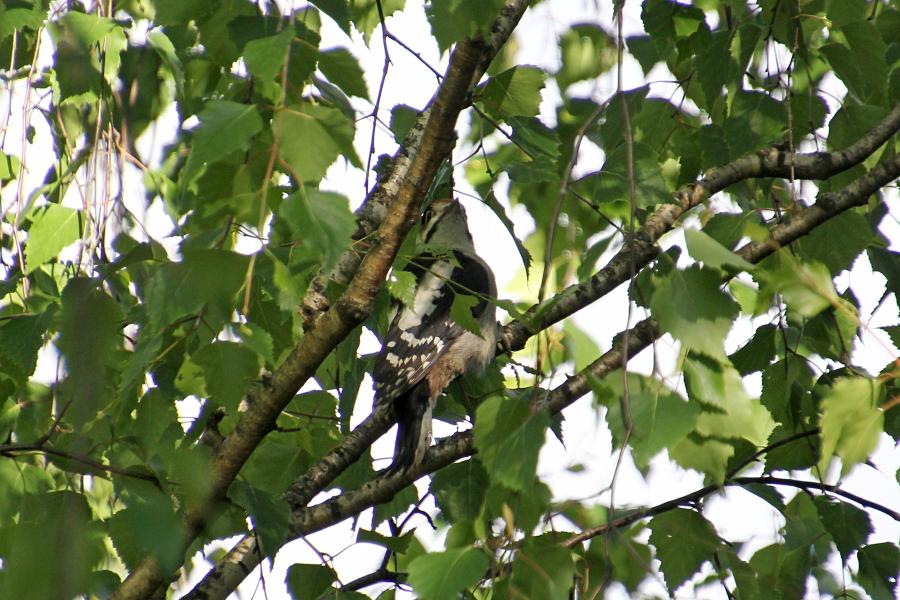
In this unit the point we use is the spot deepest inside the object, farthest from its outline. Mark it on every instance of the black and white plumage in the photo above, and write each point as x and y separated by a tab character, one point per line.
424	349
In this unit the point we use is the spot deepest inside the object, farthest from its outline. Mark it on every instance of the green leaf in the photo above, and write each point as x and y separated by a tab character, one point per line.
257	339
542	569
309	582
398	544
311	137
20	19
204	279
228	370
514	92
714	146
89	330
270	514
887	263
461	312
10	165
611	183
756	119
806	287
265	56
174	12
735	414
847	525
338	10
443	575
587	51
150	526
801	454
851	228
803	527
689	305
714	66
830	333
851	422
456	20
710	457
342	69
757	353
401	501
785	392
403	119
713	254
521	510
727	228
850	122
402	286
642	48
365	14
622	556
878	568
46	523
190	380
841	12
660	419
508	438
89	29
536	139
860	62
277	462
156	423
52	229
684	540
667	21
322	221
20	481
459	490
580	347
745	578
21	337
782	573
225	127
768	493
159	41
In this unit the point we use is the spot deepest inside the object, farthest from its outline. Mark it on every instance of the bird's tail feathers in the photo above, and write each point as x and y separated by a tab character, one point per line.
413	430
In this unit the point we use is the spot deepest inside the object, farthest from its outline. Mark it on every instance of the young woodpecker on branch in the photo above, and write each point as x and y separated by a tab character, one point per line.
425	349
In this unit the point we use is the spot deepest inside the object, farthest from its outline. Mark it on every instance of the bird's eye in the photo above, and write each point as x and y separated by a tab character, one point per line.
426	217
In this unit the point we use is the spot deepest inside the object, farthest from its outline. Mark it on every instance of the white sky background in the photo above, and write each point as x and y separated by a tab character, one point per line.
738	515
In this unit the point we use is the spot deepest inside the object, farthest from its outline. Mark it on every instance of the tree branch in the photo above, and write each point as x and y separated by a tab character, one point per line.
765	450
641	249
815	485
97	467
701	493
380	576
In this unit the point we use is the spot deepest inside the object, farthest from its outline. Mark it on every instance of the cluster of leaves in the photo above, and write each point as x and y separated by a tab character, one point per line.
97	460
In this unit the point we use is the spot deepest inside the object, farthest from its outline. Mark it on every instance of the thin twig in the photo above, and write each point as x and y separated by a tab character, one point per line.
382	575
11	450
384	73
403	45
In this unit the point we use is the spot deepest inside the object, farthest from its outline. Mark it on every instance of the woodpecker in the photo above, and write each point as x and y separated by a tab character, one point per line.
424	349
